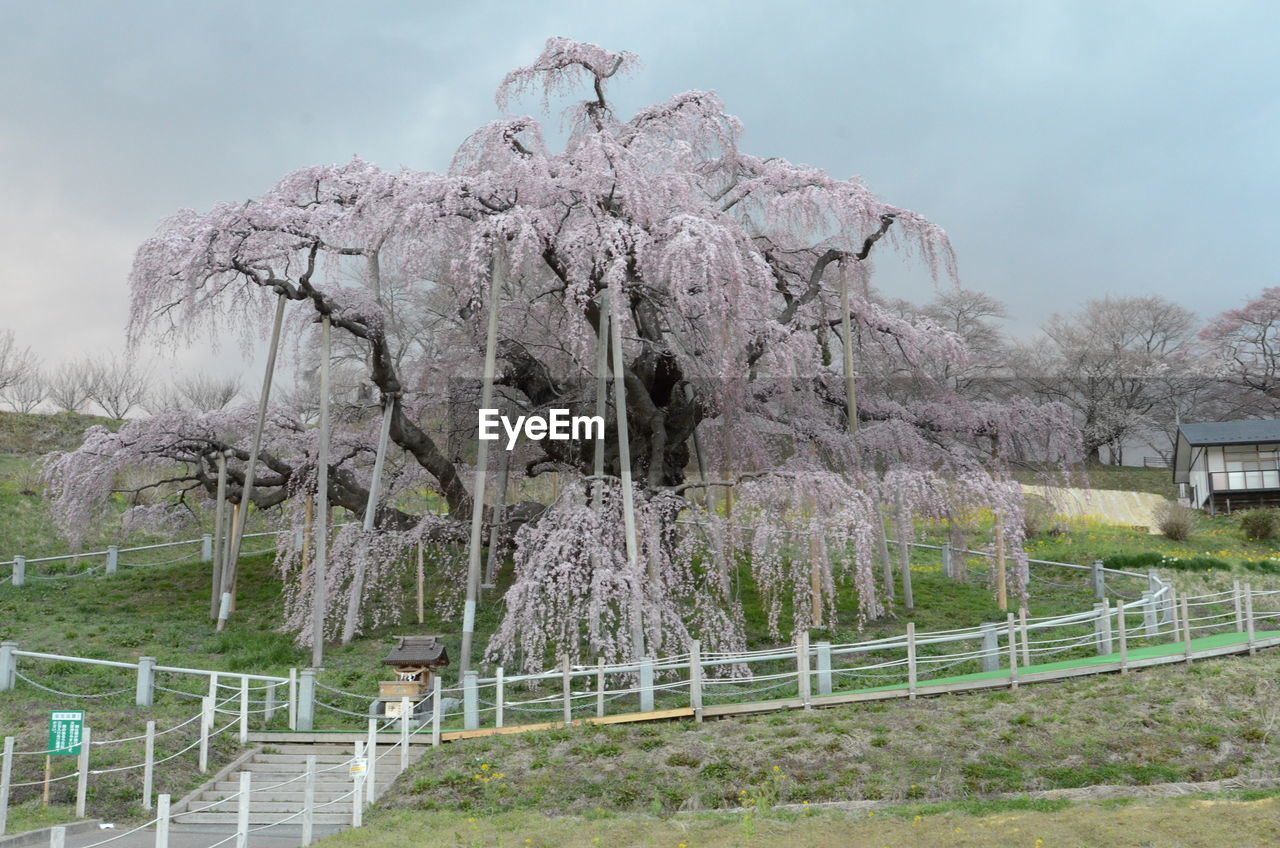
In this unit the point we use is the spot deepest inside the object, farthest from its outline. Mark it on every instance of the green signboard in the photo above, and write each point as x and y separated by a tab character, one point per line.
66	729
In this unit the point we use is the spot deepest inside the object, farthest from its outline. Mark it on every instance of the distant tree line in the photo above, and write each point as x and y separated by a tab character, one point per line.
115	386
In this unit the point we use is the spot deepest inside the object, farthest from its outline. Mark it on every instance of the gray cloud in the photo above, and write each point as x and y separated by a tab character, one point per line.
1071	149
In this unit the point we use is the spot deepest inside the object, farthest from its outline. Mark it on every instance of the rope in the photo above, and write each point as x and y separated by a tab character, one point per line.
72	694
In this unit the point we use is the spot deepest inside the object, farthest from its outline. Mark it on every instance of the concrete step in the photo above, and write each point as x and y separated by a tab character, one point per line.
288	829
301	759
229	787
284	792
336	819
265	805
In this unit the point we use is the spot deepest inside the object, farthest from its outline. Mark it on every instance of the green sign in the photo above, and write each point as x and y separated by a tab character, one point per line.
66	729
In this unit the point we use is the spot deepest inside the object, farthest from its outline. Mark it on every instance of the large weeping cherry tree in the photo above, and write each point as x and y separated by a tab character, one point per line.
775	414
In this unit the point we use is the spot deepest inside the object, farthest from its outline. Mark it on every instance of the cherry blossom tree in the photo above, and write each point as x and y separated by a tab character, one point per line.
724	272
1244	345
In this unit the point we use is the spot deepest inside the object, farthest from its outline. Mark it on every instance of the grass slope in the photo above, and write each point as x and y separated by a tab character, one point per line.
1245	819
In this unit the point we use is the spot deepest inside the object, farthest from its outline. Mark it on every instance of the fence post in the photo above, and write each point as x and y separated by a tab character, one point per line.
242	810
293	699
1107	642
946	560
1153	581
1186	629
58	836
145	690
6	776
309	800
1097	628
1022	636
437	715
8	666
990	647
600	687
1099	580
206	726
1170	607
162	821
206	548
499	697
1121	631
1013	653
1248	618
213	686
149	765
269	706
405	711
1235	602
113	558
1149	613
307	699
695	676
823	655
244	711
470	705
371	751
646	684
82	772
803	681
566	684
911	660
357	785
19	570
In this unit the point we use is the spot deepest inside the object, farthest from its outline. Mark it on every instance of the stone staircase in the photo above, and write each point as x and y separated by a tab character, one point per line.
270	803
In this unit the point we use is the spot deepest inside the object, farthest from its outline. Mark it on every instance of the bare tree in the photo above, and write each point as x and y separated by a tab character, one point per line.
27	393
118	385
205	393
71	385
974	317
16	363
1111	362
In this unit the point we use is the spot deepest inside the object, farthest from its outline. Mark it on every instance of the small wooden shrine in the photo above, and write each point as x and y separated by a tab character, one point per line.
415	659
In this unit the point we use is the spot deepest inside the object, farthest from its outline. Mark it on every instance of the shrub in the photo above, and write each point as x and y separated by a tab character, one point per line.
1260	525
1141	561
1176	522
1037	516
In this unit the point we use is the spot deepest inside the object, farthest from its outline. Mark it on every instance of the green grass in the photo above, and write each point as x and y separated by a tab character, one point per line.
31	815
1195	821
1212	721
1157	481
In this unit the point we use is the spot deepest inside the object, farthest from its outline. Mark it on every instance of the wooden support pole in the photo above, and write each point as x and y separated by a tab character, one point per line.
243	808
421	587
246	497
904	552
162	821
617	299
206	727
355	595
803	679
406	715
371	747
482	465
1002	582
319	565
215	591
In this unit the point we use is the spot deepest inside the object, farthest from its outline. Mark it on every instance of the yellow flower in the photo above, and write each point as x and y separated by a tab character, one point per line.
777	768
484	767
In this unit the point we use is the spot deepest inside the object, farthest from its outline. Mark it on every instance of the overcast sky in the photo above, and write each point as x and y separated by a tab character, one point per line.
1071	149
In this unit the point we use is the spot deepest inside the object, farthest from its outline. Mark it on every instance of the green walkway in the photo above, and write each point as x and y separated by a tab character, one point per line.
1168	649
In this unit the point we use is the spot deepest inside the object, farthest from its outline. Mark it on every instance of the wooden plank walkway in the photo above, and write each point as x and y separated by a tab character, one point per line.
1202	647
